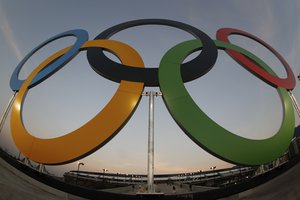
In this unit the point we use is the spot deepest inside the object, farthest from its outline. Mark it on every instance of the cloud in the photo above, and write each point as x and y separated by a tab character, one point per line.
8	34
293	55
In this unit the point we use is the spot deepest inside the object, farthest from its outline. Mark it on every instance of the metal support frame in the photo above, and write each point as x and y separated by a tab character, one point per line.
8	107
150	169
296	105
26	161
295	145
41	168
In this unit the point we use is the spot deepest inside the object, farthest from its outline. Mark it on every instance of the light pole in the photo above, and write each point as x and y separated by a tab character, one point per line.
150	168
104	170
213	169
79	163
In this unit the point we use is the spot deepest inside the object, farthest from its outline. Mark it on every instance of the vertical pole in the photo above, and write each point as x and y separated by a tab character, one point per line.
151	143
10	103
150	168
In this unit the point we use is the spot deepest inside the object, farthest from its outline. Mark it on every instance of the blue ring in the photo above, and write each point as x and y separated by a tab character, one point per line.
81	35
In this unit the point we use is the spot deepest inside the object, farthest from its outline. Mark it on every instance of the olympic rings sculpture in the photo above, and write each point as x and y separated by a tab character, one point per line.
170	76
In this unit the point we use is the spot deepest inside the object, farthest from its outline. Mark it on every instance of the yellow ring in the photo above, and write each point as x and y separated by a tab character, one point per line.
96	132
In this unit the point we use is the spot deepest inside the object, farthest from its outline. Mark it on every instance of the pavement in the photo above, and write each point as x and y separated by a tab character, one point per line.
166	189
16	186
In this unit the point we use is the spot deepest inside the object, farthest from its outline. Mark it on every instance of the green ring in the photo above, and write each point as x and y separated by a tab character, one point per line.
207	133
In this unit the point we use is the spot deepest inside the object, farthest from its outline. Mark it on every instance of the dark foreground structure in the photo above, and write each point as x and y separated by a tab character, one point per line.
279	183
277	180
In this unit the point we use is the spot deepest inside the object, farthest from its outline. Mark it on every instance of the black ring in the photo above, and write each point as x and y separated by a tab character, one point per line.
117	72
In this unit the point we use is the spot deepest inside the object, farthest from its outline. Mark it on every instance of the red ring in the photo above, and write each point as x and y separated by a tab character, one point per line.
288	83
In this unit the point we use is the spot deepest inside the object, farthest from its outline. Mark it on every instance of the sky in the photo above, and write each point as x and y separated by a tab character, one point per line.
229	94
